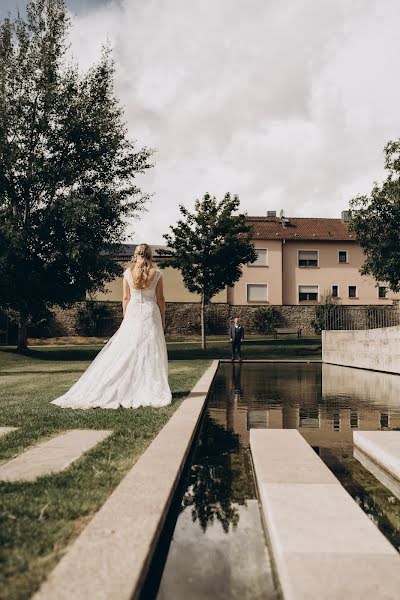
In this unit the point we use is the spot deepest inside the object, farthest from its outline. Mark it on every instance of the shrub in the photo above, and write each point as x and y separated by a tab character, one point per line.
266	319
326	311
90	317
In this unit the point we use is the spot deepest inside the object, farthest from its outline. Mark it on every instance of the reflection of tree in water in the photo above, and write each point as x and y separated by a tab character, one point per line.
217	477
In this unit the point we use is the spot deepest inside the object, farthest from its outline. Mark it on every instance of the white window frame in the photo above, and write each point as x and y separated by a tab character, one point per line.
307	285
348	294
338	290
387	291
266	259
347	257
257	283
307	266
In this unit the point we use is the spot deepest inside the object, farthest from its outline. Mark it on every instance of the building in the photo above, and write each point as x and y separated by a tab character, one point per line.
299	260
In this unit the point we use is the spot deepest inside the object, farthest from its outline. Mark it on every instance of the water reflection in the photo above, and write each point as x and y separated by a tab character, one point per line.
325	403
217	478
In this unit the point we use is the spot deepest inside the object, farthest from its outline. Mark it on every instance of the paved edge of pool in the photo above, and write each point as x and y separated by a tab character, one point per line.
110	558
320	538
379	453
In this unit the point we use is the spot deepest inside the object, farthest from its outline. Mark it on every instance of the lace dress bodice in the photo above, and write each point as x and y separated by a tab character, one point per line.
146	295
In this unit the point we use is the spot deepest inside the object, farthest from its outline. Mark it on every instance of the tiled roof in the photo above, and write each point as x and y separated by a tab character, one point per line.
300	228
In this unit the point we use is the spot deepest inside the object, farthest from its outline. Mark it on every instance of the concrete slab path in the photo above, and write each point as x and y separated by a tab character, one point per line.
51	456
322	542
111	557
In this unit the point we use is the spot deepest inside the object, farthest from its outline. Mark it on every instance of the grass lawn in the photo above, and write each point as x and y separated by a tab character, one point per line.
38	519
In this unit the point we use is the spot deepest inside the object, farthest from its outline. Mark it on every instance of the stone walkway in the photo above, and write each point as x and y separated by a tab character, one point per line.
51	456
323	544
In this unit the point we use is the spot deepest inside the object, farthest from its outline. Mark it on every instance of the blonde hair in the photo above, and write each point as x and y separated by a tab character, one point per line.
142	262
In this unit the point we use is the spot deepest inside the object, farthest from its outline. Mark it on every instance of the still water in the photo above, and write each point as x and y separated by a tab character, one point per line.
218	548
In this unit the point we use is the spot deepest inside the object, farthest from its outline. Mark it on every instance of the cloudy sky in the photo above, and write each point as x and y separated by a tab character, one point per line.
288	103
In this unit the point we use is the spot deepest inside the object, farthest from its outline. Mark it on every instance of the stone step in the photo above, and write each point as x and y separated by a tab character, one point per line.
323	544
379	452
51	456
5	430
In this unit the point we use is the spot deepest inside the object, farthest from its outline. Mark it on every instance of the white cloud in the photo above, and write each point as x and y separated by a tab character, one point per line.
287	103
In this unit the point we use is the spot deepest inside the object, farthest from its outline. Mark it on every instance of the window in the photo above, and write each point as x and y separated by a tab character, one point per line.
308	292
384	421
257	292
352	291
308	258
354	420
336	421
343	256
262	258
382	291
335	291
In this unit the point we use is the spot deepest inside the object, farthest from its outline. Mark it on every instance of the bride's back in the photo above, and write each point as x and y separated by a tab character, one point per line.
143	293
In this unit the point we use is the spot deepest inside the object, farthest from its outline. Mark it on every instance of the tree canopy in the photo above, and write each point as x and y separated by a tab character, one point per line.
209	247
67	166
375	219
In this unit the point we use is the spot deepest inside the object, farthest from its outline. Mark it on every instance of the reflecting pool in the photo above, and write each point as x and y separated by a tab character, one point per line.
217	548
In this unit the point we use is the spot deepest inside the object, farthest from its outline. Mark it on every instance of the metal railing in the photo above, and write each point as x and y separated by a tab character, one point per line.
351	318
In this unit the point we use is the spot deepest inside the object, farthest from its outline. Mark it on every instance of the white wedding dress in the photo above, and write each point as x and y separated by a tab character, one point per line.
132	368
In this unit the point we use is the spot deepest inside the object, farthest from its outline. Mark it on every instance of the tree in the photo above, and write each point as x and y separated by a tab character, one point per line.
209	247
375	219
67	168
327	315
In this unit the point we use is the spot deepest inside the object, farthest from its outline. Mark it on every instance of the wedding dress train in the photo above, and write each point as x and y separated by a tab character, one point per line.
131	370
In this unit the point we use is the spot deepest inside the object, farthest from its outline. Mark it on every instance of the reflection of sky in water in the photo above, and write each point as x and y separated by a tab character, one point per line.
326	403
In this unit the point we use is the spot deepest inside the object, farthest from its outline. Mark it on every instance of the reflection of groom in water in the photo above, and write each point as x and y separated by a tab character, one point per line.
236	336
235	388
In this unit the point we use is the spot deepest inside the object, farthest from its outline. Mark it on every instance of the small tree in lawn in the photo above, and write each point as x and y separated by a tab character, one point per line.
375	219
67	168
209	247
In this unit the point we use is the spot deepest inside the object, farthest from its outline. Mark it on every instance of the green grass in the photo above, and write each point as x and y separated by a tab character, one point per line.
255	348
38	519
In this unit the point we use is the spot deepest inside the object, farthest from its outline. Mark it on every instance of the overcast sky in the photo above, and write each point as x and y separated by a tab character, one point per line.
287	103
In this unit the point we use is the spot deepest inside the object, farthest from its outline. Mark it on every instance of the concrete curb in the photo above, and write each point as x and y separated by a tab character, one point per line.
111	557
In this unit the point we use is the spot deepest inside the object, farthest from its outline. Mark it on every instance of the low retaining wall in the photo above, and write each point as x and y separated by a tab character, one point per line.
183	318
376	349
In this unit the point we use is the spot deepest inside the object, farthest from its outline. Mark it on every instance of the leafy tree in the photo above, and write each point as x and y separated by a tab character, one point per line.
209	247
375	219
67	168
326	314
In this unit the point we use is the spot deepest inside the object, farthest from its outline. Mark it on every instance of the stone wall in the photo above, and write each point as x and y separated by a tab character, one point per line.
377	349
183	318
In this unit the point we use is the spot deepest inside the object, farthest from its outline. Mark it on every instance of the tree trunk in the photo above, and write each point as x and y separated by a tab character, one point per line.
22	331
203	330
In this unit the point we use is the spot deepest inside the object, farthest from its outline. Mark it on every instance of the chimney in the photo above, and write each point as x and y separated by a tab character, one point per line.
271	213
345	216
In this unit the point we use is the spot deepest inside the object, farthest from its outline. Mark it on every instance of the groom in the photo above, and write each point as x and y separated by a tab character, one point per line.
236	336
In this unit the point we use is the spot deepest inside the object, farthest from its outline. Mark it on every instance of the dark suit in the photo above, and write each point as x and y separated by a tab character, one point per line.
236	334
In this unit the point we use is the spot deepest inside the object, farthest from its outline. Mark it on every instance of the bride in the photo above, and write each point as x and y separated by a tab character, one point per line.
132	368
